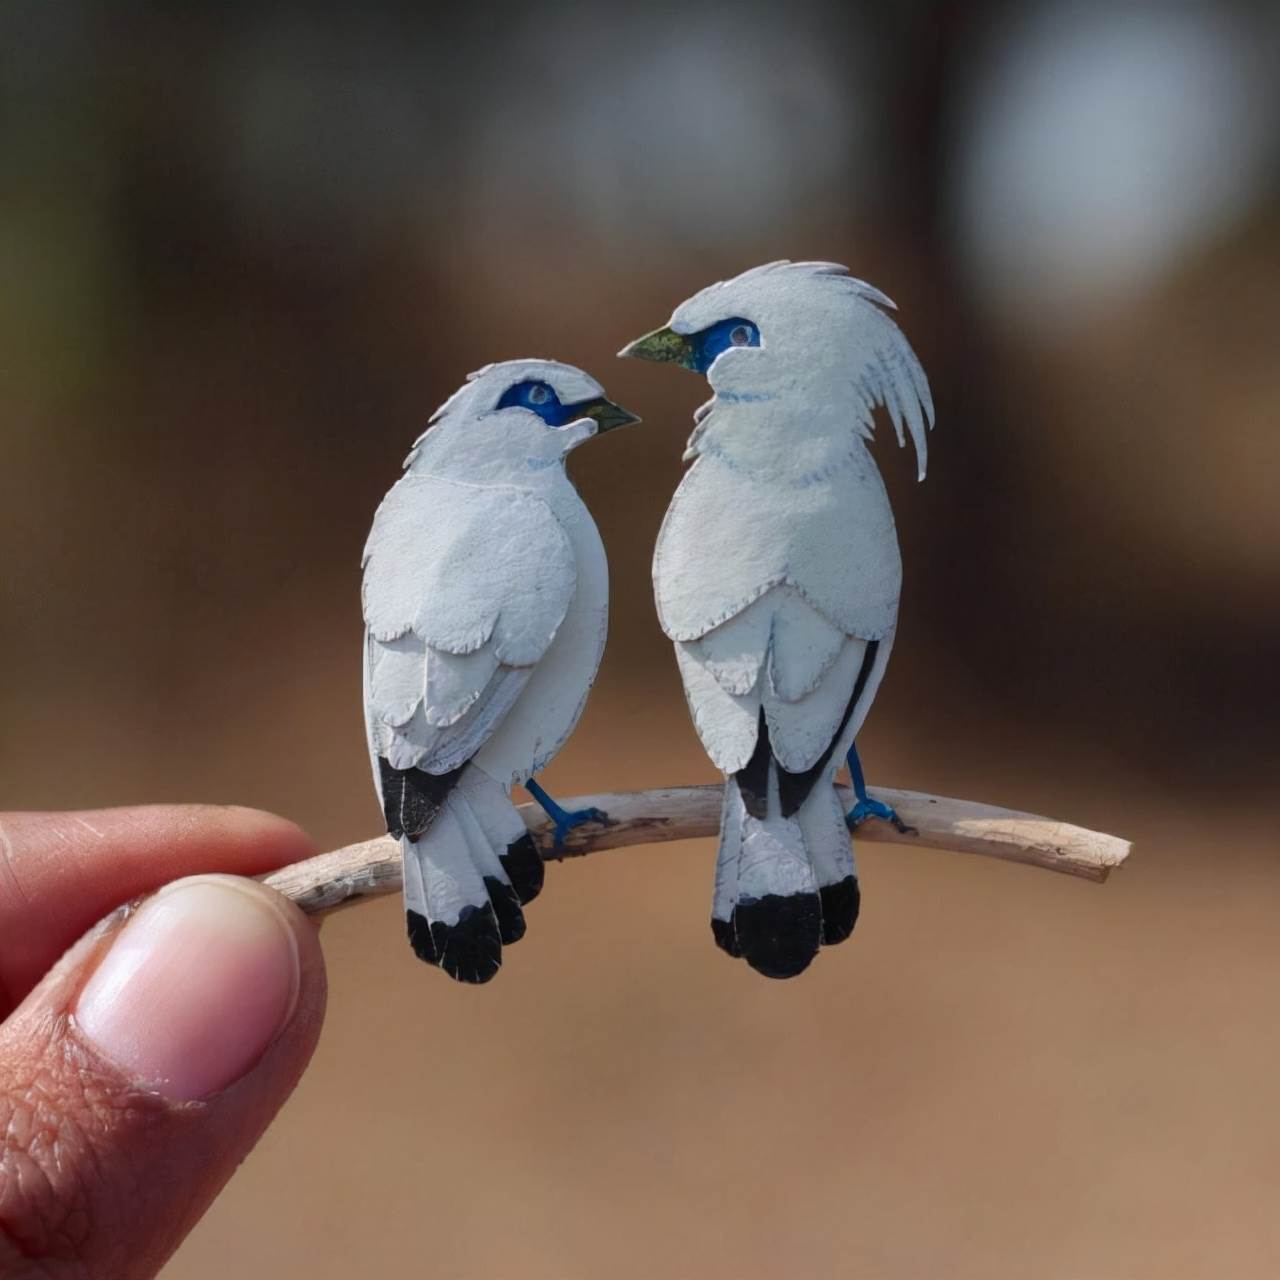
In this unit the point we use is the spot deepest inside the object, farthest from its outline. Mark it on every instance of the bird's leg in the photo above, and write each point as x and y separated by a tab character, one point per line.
866	807
564	820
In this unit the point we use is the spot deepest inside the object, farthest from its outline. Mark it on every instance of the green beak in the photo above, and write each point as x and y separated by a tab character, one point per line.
605	413
663	346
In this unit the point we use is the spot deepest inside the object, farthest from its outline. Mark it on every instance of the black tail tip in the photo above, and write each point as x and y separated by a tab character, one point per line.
779	934
524	867
469	950
726	937
506	907
420	938
840	904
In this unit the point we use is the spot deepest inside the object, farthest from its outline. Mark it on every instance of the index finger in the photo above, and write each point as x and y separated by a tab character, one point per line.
62	872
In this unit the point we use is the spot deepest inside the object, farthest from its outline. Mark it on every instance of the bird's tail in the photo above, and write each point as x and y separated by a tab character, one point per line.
467	877
826	837
784	885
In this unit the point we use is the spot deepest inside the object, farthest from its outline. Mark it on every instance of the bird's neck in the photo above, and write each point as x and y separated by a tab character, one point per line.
774	440
484	468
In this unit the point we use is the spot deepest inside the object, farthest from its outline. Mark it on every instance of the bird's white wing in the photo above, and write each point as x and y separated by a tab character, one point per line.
774	612
465	588
728	537
789	663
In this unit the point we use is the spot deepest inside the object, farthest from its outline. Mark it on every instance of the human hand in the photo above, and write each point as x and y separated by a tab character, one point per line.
140	1067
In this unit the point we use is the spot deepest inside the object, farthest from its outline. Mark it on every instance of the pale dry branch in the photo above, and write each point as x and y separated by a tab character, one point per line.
372	867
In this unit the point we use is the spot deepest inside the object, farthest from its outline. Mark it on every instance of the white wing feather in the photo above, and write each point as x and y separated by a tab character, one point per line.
735	651
834	542
778	613
806	672
805	644
725	722
464	590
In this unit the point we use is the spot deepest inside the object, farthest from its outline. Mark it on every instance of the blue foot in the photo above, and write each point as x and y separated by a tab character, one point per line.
564	820
576	818
868	808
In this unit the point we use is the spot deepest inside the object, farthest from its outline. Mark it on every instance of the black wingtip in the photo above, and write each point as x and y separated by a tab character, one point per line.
794	788
726	938
840	904
411	798
753	777
779	934
506	907
524	867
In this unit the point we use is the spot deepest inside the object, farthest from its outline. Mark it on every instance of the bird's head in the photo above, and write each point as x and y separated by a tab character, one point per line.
515	418
794	341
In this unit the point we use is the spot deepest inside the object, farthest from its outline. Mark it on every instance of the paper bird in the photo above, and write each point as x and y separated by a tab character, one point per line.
777	575
485	605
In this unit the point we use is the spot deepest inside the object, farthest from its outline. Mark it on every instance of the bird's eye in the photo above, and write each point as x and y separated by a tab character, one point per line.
539	394
740	335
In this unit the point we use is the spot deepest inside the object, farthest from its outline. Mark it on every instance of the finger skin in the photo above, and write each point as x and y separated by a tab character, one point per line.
61	872
99	1178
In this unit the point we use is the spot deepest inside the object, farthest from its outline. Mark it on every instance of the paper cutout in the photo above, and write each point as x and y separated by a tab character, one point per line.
485	606
777	576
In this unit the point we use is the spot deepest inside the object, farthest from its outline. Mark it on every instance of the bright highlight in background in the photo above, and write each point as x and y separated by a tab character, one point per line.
1104	143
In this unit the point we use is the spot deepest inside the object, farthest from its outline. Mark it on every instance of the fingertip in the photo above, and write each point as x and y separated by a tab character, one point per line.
285	840
70	869
156	1052
202	980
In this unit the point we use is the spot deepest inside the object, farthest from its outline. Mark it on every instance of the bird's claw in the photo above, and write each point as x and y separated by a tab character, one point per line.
869	808
579	817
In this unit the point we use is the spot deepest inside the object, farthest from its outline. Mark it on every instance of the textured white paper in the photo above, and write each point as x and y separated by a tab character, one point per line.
778	561
485	605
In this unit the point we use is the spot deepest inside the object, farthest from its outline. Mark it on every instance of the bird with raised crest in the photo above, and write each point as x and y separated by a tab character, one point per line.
777	575
485	607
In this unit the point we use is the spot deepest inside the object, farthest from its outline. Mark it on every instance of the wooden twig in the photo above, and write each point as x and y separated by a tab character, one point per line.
372	867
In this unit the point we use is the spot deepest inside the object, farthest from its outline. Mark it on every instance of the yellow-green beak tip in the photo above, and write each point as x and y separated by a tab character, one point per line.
662	346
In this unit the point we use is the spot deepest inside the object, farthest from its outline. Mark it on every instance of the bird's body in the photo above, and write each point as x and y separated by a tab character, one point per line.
777	577
485	604
540	723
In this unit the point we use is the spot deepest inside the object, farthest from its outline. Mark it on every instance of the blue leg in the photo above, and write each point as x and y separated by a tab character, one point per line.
866	807
563	819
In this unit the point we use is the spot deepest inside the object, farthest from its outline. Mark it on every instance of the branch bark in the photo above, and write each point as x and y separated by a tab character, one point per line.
372	867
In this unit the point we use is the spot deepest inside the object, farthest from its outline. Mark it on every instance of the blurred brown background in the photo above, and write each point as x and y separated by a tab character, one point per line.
245	251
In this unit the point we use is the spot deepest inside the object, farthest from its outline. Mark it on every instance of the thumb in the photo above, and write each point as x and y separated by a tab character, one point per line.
142	1070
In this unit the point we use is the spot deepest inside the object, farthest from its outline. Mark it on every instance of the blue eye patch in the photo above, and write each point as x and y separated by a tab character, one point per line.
710	343
538	398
